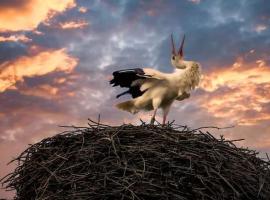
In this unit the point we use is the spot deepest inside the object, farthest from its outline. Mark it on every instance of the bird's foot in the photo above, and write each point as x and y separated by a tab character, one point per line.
165	124
152	121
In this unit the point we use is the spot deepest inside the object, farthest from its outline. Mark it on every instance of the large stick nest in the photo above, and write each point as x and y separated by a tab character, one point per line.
138	162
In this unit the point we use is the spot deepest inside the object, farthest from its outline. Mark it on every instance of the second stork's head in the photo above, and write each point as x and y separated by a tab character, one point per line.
177	57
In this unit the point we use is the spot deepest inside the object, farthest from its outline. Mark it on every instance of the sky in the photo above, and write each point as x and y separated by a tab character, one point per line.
57	57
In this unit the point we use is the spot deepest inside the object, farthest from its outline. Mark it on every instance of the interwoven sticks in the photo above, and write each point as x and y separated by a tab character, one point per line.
138	162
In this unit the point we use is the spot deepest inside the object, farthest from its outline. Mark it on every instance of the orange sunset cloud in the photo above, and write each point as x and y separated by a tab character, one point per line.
82	9
45	91
30	66
238	92
29	15
73	24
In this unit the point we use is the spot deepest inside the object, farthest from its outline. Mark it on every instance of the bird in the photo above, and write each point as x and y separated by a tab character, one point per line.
152	89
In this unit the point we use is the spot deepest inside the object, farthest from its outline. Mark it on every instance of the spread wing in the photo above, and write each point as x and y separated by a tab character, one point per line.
137	80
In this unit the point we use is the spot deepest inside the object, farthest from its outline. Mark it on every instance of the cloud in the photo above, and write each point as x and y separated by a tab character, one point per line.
44	91
82	9
195	1
37	65
260	27
15	38
29	14
74	24
238	93
11	50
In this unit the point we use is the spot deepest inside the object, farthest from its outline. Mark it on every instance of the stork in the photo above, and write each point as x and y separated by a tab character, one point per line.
152	89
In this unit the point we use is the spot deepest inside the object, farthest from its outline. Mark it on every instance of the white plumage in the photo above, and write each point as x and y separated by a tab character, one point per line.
152	89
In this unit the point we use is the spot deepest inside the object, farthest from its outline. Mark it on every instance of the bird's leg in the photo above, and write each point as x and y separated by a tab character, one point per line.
156	103
165	114
164	120
153	119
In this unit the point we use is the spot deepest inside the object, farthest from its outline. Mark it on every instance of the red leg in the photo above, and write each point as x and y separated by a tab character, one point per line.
165	114
164	119
154	117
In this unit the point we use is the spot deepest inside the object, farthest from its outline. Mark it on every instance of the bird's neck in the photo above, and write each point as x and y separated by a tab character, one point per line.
186	62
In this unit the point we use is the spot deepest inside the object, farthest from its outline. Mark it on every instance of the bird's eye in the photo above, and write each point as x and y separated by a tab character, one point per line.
173	57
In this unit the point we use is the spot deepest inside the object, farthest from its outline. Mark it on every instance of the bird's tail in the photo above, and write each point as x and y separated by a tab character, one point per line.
127	106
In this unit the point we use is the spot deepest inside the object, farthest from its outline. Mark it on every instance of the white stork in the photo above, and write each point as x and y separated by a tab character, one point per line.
152	89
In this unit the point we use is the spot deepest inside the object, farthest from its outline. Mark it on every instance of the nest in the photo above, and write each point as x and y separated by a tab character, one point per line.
138	162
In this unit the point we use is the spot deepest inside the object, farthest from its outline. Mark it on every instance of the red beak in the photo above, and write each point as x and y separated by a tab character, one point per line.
173	48
180	52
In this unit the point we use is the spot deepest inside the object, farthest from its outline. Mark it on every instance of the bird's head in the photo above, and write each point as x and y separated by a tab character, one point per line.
177	57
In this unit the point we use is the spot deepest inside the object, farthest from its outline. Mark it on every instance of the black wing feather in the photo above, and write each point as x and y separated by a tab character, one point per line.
124	78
